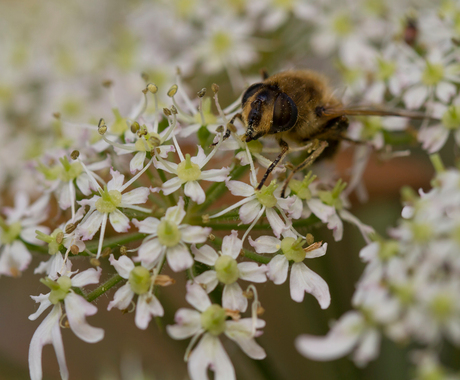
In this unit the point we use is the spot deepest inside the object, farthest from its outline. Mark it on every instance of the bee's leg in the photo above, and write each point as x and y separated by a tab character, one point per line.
307	162
229	128
284	149
264	73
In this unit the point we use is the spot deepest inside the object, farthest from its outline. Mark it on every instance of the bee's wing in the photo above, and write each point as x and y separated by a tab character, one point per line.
334	111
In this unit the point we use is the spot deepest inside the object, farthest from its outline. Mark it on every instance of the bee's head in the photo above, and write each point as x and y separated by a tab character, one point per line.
266	111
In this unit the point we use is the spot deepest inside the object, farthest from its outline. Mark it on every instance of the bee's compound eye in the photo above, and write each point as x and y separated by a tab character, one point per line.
250	91
284	114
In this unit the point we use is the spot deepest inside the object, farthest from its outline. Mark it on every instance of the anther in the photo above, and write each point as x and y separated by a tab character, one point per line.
74	249
57	115
70	228
135	127
152	88
95	262
174	110
74	155
145	76
201	93
167	112
172	91
107	83
215	88
102	127
123	250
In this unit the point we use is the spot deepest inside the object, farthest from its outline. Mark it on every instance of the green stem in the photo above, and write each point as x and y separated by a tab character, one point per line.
100	290
172	200
256	257
117	240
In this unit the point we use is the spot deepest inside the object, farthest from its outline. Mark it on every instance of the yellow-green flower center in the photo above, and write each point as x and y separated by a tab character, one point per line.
119	126
432	74
388	249
386	69
139	280
451	118
265	195
300	188
59	288
213	320
187	170
332	198
54	240
69	171
168	233
226	269
109	201
147	142
442	307
342	25
10	232
293	250
421	232
221	42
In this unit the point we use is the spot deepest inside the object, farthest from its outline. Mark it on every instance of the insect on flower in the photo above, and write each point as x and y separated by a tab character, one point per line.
300	107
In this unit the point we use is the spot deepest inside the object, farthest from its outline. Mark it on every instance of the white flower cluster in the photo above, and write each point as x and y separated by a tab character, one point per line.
410	288
170	210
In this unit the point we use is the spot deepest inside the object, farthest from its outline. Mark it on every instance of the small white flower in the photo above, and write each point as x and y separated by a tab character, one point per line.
168	237
20	225
76	310
228	271
350	332
302	279
140	283
210	321
106	206
189	172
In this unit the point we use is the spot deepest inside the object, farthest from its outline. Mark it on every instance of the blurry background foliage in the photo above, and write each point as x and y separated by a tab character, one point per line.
54	55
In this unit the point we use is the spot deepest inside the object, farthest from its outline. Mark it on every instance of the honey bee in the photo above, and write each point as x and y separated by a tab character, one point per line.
299	106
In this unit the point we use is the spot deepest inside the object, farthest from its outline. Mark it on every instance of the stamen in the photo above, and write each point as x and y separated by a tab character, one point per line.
101	237
127	184
253	223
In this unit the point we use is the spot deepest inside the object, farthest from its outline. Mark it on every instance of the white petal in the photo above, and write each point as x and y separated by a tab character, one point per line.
30	236
195	234
266	244
84	184
150	250
363	228
89	276
137	162
276	223
207	280
51	267
135	197
241	333
249	211
147	226
176	214
197	297
65	199
445	91
338	342
278	269
215	175
44	304
171	185
318	252
233	298
14	258
415	96
240	189
148	306
119	221
231	245
370	252
206	255
335	224
90	226
433	138
368	348
200	157
179	257
117	180
48	332
303	279
210	353
124	265
322	211
252	272
77	308
122	298
193	190
188	324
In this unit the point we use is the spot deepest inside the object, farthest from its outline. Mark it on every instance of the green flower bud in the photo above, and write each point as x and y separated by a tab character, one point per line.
10	231
187	170
226	269
265	195
139	280
293	250
109	201
213	320
168	233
